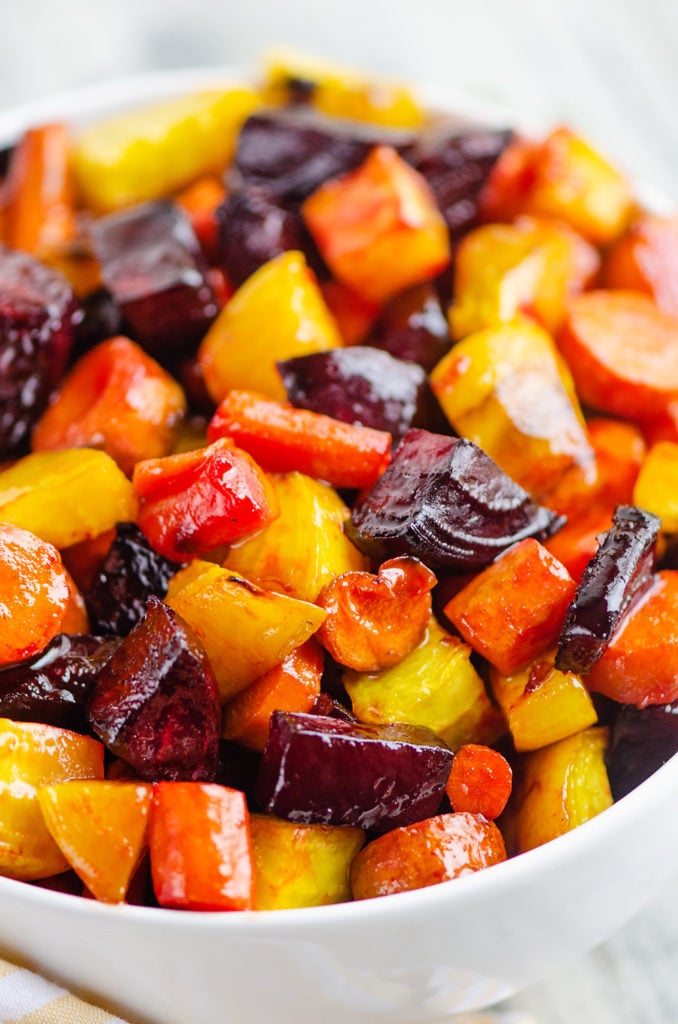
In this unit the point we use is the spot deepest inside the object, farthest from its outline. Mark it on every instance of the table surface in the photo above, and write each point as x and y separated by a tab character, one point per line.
606	66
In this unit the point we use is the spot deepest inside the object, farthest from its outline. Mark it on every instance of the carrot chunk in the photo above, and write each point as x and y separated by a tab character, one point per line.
373	622
34	593
284	439
480	781
623	353
40	214
644	259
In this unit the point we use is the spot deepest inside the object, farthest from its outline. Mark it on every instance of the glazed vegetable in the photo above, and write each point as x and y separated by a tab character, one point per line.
222	678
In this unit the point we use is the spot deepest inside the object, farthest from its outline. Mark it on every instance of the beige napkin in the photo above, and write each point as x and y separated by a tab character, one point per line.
26	998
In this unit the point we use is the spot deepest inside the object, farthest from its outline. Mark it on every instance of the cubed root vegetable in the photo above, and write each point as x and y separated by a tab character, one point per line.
279	312
562	786
199	500
302	865
34	593
378	228
373	622
201	847
431	851
644	260
305	547
515	608
49	493
116	398
656	488
32	756
100	827
283	439
542	704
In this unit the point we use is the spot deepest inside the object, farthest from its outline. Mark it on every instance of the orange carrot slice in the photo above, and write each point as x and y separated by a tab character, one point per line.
41	208
480	781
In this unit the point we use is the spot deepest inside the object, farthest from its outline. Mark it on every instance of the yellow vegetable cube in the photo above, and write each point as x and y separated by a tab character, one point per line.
542	704
507	389
305	547
656	488
436	686
563	785
278	313
151	152
66	496
245	630
302	865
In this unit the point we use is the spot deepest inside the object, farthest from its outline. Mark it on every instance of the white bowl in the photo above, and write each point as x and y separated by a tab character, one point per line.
406	959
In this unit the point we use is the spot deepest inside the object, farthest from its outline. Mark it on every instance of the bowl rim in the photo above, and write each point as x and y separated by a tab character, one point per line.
82	103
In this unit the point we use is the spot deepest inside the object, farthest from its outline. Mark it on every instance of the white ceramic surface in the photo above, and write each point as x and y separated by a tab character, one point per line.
407	959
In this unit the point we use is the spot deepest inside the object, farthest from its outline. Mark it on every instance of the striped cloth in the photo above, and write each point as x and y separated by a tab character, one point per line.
26	998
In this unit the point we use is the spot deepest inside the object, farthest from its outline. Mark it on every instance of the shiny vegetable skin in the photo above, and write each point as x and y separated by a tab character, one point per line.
619	572
426	853
323	770
198	500
443	500
480	781
284	439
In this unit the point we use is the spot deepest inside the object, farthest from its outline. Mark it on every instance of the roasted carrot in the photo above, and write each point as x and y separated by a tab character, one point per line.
293	685
577	541
40	210
480	781
285	439
644	260
623	353
201	200
373	622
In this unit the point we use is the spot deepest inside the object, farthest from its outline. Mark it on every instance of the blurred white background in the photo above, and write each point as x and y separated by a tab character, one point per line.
608	67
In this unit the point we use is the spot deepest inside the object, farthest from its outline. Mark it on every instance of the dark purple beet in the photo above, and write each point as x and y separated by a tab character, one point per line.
255	226
131	572
641	741
329	771
621	570
238	768
331	708
38	315
361	385
414	327
154	267
101	319
292	151
445	501
456	165
53	687
155	704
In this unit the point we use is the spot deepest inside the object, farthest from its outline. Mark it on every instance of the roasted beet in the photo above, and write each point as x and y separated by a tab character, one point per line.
292	151
414	327
154	267
328	771
38	314
641	740
131	572
331	708
621	570
445	501
254	226
155	704
53	687
101	319
360	385
456	165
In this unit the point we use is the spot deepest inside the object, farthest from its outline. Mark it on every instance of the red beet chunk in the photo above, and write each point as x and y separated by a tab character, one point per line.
155	703
53	687
328	771
255	225
131	572
362	386
292	151
621	570
101	319
414	327
154	267
38	314
445	501
641	741
456	166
